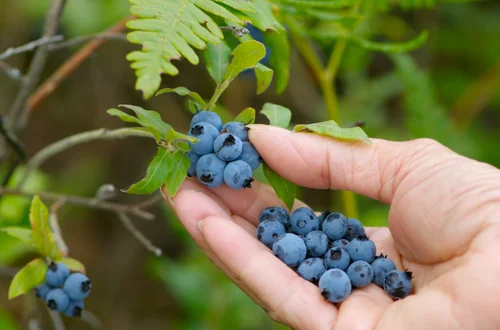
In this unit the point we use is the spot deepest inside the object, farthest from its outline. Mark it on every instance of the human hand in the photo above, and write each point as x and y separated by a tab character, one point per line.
443	226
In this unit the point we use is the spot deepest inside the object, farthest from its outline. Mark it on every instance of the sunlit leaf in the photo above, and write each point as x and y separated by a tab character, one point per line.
30	276
73	264
331	128
278	115
246	117
264	77
43	238
24	234
183	91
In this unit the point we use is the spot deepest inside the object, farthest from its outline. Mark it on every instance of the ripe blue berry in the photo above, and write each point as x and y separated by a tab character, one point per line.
228	146
236	128
335	285
74	308
238	175
341	243
206	134
43	290
250	155
57	300
77	286
397	284
210	170
360	273
337	258
362	248
275	213
381	266
207	117
323	216
290	249
311	269
56	274
194	159
335	225
268	231
316	243
354	229
303	221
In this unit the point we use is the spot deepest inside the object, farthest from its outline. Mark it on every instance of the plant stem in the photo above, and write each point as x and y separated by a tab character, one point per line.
56	229
218	92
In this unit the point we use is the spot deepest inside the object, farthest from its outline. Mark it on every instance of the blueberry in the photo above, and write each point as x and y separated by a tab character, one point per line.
360	273
290	249
57	300
207	117
275	213
236	128
381	266
250	155
228	146
303	220
268	231
238	175
335	225
335	285
337	258
354	229
43	290
194	159
311	269
77	286
362	248
210	170
341	243
74	308
316	243
56	274
206	134
397	284
323	216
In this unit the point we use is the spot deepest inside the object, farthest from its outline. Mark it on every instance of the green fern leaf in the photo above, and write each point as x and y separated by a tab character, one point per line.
171	29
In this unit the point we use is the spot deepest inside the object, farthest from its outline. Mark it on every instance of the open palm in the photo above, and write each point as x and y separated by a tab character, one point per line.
444	227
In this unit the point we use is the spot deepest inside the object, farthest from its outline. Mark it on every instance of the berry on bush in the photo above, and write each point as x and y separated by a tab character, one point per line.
362	248
228	146
206	134
337	258
237	129
303	221
335	285
311	269
194	160
354	229
290	249
57	300
75	308
316	243
335	226
360	273
381	266
268	231
397	284
275	213
238	175
250	155
56	274
210	170
43	290
207	117
77	286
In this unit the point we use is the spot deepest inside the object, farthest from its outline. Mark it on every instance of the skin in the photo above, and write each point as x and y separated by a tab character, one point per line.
444	226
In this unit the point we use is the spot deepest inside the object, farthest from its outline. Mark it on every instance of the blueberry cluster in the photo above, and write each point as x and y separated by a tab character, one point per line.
331	251
64	292
223	154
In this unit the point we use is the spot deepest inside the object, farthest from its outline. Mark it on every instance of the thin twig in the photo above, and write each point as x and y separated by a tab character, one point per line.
71	65
56	320
12	140
81	39
149	202
54	223
30	46
12	72
18	112
138	235
57	147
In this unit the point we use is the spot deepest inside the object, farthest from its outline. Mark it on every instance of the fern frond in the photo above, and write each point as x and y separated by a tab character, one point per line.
170	29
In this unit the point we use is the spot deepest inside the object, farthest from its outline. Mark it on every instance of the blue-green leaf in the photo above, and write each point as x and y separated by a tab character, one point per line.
331	128
156	175
284	189
278	115
30	276
264	77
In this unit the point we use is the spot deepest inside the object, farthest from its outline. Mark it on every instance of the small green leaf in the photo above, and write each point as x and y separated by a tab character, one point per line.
246	117
43	238
264	76
30	276
151	120
124	116
331	128
179	166
217	59
284	189
174	135
277	114
246	56
194	106
73	264
24	234
279	58
183	91
156	175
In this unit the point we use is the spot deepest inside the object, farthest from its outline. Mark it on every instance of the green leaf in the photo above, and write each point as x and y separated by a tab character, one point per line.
173	135
246	117
151	120
264	77
279	58
264	18
179	166
30	276
246	56
284	189
332	129
124	116
277	114
183	91
217	59
43	238
24	234
156	174
73	264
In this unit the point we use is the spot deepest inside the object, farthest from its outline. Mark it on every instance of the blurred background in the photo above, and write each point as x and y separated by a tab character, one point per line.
448	90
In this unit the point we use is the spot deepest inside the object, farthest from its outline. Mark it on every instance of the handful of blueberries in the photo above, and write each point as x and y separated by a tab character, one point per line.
223	153
64	292
330	250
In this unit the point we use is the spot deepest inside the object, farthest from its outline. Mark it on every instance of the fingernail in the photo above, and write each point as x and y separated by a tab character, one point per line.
200	225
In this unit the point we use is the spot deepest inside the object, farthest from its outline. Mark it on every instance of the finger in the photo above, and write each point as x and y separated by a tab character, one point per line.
287	297
434	192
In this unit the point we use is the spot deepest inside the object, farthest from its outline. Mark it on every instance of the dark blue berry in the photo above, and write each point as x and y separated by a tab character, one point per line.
206	134
194	159
77	286
341	243
228	146
57	300
337	258
250	155
316	243
74	309
303	221
335	285
207	117
290	249
381	266
335	226
43	290
311	269
238	175
397	284
362	248
268	231
210	170
56	274
275	213
236	128
354	229
360	273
